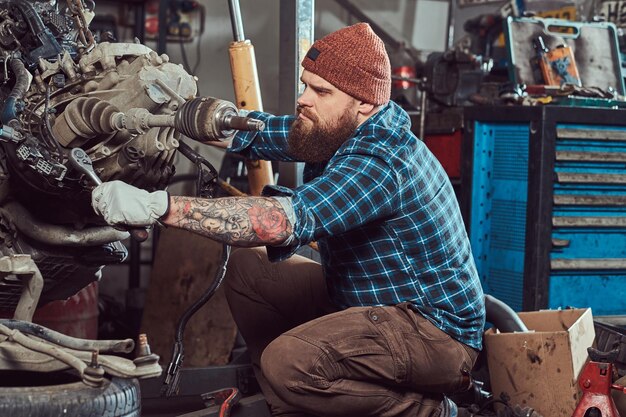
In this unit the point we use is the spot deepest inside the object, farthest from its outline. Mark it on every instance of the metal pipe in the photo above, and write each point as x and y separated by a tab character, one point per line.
235	20
103	346
59	235
41	347
162	39
422	126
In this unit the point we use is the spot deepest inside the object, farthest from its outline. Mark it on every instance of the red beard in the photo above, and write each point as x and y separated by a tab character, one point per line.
314	141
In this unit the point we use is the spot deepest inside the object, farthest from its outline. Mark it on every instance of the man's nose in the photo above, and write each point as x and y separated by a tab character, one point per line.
305	98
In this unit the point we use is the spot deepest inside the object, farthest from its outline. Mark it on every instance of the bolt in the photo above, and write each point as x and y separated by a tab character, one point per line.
143	348
587	383
94	359
93	375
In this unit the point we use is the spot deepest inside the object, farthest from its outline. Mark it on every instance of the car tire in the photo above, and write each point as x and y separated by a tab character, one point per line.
117	397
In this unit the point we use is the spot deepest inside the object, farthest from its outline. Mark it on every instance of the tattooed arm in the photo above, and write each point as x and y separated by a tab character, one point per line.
238	221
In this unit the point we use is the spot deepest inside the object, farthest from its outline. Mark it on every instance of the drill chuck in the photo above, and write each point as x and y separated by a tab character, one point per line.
208	119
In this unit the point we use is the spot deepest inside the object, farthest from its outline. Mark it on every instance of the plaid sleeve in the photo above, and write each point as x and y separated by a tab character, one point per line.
354	190
269	144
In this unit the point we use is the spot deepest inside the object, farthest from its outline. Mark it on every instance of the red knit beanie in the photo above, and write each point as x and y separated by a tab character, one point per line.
354	60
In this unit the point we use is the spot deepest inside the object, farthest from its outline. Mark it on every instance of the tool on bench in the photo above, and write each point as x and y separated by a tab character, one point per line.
596	382
557	65
80	161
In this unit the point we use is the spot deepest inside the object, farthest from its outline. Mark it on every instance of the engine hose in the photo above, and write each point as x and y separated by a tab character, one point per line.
172	377
217	281
32	17
18	91
502	316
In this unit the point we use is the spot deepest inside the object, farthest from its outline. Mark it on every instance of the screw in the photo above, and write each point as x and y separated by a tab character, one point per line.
143	348
94	359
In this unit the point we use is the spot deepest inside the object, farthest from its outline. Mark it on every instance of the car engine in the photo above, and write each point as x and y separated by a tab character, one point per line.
59	90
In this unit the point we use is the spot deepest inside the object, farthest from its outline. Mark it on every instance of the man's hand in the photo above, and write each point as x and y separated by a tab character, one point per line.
122	204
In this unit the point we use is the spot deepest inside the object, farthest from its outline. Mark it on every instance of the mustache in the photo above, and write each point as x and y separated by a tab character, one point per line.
305	111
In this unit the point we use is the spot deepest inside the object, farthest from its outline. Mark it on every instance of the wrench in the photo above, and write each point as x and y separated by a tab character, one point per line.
80	161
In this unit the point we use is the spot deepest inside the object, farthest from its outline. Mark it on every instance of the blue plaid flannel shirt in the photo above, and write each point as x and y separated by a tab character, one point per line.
386	220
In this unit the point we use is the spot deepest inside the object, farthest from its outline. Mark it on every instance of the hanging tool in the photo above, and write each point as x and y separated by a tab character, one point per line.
596	382
247	92
80	161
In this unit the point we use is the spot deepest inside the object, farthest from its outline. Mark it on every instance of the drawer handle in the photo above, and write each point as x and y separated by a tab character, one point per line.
567	264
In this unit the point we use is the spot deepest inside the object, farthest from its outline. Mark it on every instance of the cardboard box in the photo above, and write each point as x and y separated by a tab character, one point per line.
540	369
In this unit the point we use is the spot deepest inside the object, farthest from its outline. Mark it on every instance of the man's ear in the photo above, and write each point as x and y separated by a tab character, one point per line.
366	109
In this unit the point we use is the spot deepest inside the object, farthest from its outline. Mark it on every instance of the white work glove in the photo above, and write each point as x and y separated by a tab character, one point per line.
122	204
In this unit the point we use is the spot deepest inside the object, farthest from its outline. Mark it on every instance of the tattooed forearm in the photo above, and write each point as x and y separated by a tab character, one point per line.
239	221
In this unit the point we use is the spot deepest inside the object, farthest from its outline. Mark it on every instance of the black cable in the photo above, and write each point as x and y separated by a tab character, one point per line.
186	65
217	281
172	374
50	136
198	54
183	53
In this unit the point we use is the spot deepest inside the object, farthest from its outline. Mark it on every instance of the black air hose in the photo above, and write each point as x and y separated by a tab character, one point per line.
19	90
32	17
502	316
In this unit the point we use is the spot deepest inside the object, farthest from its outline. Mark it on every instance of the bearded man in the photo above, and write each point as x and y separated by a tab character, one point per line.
392	318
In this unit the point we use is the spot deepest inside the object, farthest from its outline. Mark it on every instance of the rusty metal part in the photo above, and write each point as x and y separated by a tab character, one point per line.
25	352
143	348
41	332
26	271
55	234
16	337
81	24
93	374
29	347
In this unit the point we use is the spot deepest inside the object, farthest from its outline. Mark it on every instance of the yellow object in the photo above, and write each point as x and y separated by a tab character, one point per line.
565	13
248	96
558	67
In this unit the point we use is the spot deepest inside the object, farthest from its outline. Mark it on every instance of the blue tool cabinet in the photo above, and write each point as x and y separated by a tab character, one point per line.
544	200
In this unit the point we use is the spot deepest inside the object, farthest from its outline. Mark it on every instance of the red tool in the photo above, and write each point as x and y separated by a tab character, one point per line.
596	382
226	398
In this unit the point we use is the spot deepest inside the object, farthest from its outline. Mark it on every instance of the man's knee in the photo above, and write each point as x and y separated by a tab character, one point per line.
290	366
